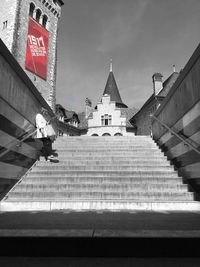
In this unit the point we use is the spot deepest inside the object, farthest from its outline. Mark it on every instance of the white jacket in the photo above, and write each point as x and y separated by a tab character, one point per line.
40	124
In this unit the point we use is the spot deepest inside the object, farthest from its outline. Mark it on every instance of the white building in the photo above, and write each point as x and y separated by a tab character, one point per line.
111	116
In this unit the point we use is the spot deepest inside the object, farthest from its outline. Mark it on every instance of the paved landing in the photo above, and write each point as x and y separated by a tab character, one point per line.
100	224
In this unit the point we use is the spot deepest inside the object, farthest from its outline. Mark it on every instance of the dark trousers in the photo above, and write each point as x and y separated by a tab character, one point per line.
47	147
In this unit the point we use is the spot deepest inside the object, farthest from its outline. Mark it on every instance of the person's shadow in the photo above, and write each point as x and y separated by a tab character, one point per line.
54	160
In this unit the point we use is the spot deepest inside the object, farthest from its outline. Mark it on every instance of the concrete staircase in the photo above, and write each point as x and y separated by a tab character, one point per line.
98	173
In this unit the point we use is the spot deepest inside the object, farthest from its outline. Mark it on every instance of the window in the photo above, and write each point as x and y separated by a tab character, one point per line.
109	120
106	134
38	15
5	24
31	9
118	134
44	21
106	120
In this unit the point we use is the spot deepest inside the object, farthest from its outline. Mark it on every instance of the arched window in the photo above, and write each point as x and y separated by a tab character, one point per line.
106	134
31	9
44	20
38	15
118	134
94	134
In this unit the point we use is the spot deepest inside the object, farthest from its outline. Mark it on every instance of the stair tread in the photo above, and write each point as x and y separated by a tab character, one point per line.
98	170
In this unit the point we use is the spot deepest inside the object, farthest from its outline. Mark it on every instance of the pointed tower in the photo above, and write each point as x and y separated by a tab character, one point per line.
111	89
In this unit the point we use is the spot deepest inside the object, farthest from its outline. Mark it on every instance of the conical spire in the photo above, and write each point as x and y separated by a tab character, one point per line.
112	89
111	65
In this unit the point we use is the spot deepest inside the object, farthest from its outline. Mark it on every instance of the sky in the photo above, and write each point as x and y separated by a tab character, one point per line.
141	36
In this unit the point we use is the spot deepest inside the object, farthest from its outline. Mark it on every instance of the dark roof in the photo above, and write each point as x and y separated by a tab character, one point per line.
59	106
112	90
128	113
61	2
168	84
70	115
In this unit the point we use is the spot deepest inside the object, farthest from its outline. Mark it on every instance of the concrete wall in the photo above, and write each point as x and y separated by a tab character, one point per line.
15	37
181	111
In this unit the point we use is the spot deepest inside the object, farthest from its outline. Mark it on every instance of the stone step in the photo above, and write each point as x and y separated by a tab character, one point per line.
94	205
104	141
97	173
99	180
101	187
117	145
109	154
100	138
61	163
109	144
110	150
134	196
118	158
55	167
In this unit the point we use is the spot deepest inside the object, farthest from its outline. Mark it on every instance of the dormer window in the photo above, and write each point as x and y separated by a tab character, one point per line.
5	24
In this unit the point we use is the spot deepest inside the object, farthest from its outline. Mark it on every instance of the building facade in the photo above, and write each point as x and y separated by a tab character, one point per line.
111	117
29	29
142	119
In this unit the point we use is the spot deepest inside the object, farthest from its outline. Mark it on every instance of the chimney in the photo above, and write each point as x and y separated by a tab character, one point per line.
157	83
174	68
88	107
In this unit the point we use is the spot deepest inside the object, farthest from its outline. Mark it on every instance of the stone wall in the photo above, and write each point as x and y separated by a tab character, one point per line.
16	40
7	21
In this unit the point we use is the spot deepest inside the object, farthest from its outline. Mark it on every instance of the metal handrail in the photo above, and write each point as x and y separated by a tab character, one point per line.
177	135
17	143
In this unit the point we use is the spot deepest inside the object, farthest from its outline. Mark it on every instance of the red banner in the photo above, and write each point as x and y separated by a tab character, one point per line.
37	49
